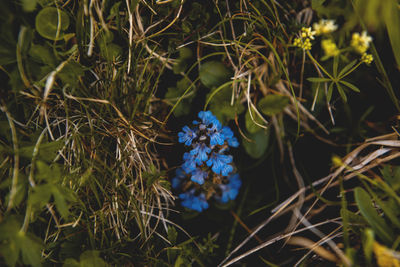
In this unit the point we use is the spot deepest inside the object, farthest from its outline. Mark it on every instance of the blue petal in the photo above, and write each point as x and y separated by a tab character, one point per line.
198	176
216	139
189	163
186	136
200	153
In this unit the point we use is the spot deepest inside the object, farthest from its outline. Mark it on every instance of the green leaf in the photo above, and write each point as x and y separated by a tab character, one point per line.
378	224
341	92
110	51
28	5
48	20
368	240
346	68
185	54
172	235
40	196
174	93
16	243
258	145
273	104
251	127
71	72
214	73
47	151
392	21
335	65
220	104
43	54
31	247
351	86
330	92
91	258
318	79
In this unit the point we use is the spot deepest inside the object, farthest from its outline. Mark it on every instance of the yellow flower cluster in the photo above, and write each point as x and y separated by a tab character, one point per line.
360	42
367	58
324	26
384	256
304	41
329	48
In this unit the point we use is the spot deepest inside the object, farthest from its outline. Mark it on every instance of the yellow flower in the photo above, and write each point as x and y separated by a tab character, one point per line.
307	33
324	26
302	43
385	257
367	58
329	48
360	42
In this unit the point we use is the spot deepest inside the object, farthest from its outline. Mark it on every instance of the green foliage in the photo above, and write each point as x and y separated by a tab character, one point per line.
51	23
89	258
219	102
16	244
273	104
214	73
257	144
365	204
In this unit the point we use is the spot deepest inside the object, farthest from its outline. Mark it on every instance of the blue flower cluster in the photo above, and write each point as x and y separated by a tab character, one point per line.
206	171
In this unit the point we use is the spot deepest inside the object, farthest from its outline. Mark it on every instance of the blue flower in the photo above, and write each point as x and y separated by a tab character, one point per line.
190	201
220	163
216	138
231	190
200	152
189	163
198	176
207	117
227	132
186	136
177	180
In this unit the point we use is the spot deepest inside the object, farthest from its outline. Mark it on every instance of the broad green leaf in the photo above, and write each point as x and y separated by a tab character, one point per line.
43	54
391	174
351	86
48	20
71	72
220	104
172	235
50	173
174	93
91	258
251	127
318	79
40	196
378	224
28	5
111	52
258	145
16	243
392	21
31	247
272	104
346	68
214	73
185	54
47	151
